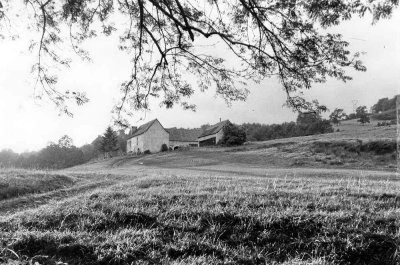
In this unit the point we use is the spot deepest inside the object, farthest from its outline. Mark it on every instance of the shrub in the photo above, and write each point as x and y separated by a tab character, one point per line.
384	123
380	147
164	148
352	116
146	152
233	135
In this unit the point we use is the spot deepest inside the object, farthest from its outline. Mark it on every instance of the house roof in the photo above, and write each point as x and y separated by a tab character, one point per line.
143	128
214	129
183	135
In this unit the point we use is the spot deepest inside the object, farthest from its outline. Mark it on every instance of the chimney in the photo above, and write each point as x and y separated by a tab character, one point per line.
219	119
133	130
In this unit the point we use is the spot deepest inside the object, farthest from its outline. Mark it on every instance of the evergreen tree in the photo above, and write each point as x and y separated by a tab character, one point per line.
109	141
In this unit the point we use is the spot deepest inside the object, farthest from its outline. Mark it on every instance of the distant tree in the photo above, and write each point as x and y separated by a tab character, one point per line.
65	141
362	115
233	135
122	137
8	158
361	110
89	151
61	155
384	104
364	119
109	141
337	115
205	127
308	118
351	116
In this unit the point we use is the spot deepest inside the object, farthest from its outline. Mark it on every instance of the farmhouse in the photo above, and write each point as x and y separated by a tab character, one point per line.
150	136
212	135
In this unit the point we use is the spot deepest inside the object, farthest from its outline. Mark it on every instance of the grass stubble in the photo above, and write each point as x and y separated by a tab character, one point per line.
199	218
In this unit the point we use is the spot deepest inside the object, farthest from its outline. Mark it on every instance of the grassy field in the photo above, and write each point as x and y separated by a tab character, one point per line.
14	183
212	206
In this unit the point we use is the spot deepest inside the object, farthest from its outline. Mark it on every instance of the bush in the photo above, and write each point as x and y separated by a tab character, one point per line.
146	152
384	123
379	147
352	116
233	135
164	148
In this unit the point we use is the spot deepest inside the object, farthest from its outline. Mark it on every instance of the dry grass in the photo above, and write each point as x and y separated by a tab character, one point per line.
210	218
16	182
246	205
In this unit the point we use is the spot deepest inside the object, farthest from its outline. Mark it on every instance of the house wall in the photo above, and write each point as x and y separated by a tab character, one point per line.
135	144
154	138
151	140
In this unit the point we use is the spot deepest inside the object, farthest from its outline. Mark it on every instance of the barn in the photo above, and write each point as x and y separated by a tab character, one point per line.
212	135
150	136
183	137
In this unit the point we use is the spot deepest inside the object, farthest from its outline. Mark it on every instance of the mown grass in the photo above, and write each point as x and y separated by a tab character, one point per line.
17	182
215	219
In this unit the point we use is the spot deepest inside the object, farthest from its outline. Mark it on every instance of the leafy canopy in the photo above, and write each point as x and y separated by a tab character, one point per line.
269	38
233	135
337	115
362	115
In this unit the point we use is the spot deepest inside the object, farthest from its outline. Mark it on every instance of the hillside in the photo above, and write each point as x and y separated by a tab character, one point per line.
354	146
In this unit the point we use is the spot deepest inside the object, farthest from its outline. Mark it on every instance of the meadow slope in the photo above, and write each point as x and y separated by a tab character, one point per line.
247	205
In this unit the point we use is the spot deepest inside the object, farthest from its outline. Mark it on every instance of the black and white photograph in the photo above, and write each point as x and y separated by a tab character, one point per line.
200	132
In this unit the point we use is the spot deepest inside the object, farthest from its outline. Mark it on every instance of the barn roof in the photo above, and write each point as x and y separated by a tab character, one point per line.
143	128
183	135
214	129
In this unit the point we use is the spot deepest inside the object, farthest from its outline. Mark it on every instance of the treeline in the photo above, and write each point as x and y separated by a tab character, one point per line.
65	154
55	155
306	124
384	104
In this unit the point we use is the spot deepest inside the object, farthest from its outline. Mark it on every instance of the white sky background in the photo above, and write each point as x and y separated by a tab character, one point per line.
26	124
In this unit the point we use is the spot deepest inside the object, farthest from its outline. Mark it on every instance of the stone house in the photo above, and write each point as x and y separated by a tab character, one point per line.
150	136
212	135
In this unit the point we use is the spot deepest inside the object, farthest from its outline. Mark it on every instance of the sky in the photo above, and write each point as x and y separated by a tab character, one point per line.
27	124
